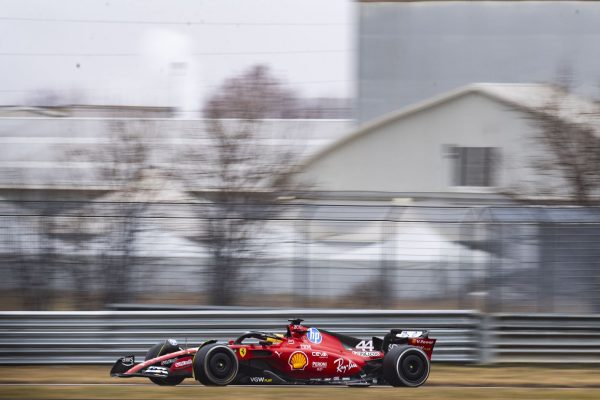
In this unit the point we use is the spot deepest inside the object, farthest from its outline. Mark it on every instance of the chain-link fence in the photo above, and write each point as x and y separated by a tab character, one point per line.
86	255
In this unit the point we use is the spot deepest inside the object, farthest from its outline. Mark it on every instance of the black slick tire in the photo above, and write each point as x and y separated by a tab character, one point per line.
158	350
406	366
215	365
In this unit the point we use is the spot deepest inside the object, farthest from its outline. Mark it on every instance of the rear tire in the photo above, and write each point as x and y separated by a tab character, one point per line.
215	365
158	350
406	366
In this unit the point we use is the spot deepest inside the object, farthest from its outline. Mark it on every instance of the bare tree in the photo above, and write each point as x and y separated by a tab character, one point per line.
254	94
245	175
57	241
35	255
74	229
257	93
569	134
121	164
35	239
124	164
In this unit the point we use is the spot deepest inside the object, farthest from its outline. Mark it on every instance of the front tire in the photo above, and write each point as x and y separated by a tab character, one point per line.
406	366
158	350
215	365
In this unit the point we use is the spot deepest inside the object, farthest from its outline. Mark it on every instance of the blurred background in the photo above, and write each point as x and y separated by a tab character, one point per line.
297	153
217	166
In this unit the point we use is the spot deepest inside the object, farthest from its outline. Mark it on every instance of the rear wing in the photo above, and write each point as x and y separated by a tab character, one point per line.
400	337
410	334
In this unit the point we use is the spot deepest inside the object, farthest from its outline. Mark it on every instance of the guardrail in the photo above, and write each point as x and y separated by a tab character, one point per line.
99	337
544	338
103	336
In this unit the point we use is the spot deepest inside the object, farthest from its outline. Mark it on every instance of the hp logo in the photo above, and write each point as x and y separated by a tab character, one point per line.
314	336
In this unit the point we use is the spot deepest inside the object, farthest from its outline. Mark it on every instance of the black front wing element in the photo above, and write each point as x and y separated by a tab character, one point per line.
123	365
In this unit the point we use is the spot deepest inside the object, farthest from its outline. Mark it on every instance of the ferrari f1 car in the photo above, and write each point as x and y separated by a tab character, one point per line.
303	355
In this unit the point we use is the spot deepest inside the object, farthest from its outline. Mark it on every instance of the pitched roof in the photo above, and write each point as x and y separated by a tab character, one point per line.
527	97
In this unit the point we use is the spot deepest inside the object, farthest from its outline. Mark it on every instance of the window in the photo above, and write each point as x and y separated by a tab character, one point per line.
473	166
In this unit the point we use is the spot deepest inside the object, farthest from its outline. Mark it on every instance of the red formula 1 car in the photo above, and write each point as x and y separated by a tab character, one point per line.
303	355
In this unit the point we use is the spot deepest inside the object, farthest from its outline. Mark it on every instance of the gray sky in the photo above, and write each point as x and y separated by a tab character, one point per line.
170	52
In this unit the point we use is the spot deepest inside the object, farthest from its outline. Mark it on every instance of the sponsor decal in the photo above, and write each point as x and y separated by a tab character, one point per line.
260	379
320	354
409	334
392	345
423	341
278	354
290	341
242	352
319	365
367	353
154	370
172	342
127	361
365	345
305	347
343	365
314	336
424	344
298	360
168	362
183	363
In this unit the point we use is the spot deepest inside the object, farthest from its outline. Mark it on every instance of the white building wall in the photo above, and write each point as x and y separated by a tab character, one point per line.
409	154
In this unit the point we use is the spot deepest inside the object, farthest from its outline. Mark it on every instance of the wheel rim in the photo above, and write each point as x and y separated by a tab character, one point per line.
220	365
413	368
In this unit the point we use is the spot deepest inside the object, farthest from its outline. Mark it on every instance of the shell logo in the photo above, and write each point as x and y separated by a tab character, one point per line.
298	360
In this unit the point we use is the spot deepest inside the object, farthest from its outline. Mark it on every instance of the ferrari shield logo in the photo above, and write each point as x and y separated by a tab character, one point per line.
242	352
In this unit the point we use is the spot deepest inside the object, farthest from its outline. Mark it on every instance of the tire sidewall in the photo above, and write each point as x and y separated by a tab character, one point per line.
201	368
392	366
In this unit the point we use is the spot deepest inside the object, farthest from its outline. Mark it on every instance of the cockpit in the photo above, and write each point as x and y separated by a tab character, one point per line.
294	329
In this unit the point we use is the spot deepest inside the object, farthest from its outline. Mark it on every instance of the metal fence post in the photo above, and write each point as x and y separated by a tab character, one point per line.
486	328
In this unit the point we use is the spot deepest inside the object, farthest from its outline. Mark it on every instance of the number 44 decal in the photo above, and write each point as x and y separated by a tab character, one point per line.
365	345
